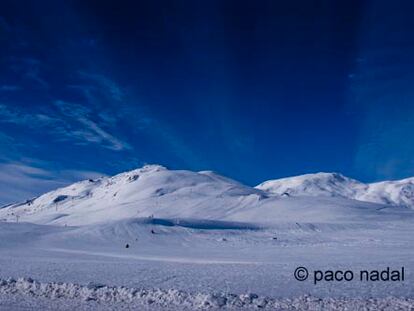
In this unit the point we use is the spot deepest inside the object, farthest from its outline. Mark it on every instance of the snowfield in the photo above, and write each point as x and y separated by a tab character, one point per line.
159	239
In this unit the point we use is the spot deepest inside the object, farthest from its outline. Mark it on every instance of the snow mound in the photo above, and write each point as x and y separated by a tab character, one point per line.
396	193
173	298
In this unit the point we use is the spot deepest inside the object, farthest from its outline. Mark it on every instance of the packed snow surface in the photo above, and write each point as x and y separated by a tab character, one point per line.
160	239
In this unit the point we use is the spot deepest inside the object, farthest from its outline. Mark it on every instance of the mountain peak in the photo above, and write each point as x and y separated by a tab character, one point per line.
137	193
398	192
316	184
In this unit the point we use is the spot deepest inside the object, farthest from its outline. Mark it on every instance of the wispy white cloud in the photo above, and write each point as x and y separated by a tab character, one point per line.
104	95
72	110
16	116
113	88
74	123
90	130
107	108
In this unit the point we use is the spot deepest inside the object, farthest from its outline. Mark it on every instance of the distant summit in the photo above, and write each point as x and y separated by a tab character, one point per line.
398	193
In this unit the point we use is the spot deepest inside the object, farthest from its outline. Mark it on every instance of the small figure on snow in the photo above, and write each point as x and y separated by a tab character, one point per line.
127	245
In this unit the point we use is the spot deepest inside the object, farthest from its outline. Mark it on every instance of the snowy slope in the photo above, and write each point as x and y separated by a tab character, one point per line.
320	184
399	192
139	193
396	193
156	191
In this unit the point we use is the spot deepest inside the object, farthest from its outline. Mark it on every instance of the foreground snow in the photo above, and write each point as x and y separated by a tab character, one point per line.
117	297
203	263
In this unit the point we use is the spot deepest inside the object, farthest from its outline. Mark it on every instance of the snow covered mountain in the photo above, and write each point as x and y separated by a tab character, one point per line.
320	184
398	193
156	191
143	192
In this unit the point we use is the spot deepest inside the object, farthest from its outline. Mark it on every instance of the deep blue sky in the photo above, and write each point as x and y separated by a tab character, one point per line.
252	89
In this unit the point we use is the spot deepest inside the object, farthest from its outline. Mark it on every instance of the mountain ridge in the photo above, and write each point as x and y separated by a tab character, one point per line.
153	189
394	192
